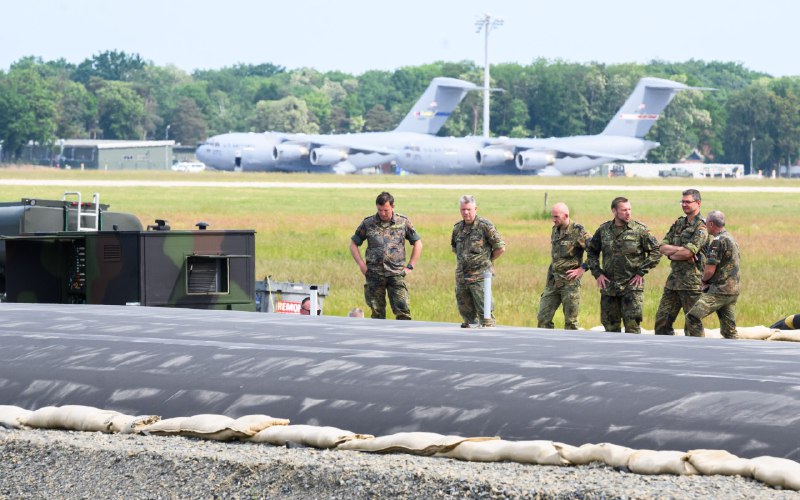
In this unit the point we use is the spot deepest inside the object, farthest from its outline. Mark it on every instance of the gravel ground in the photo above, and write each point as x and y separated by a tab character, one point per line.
63	464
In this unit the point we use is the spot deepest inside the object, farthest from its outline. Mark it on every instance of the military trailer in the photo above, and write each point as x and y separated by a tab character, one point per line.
71	252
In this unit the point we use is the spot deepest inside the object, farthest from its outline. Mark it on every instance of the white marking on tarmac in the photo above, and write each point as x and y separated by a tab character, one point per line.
372	186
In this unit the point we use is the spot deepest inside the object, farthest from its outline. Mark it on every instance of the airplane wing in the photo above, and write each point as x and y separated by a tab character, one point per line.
562	152
354	145
561	149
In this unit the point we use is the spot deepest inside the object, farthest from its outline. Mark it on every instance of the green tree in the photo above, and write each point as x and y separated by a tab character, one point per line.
785	122
749	117
28	110
679	129
77	112
289	114
121	112
188	124
377	119
110	65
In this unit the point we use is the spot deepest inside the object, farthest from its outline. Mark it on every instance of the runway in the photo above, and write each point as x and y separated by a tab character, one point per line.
380	377
520	186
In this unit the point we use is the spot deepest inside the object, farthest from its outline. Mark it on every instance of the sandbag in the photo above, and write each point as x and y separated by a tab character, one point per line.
12	416
525	452
307	435
71	417
610	454
786	335
660	462
709	462
213	426
205	426
760	332
712	333
165	427
127	424
777	472
250	425
414	443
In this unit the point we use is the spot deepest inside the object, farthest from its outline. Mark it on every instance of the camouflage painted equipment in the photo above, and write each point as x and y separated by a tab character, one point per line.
114	262
197	269
33	216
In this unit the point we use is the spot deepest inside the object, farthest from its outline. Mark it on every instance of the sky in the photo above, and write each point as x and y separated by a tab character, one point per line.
355	36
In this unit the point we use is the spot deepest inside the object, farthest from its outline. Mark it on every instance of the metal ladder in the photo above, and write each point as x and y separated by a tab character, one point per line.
81	213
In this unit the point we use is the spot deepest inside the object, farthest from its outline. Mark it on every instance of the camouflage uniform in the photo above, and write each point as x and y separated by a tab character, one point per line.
723	289
682	289
386	260
627	251
473	245
567	248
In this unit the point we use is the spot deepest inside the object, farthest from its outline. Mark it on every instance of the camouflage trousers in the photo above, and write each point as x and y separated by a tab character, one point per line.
626	309
469	299
672	301
725	307
377	287
554	296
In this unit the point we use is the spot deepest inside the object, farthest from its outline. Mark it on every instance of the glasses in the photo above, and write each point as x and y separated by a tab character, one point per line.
687	202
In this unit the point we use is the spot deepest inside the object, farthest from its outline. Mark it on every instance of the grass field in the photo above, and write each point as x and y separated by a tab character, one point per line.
303	233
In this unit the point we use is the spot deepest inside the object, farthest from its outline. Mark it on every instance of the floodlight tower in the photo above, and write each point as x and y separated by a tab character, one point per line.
487	24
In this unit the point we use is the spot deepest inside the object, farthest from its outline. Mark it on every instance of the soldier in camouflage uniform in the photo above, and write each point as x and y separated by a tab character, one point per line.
629	251
385	268
568	241
721	277
685	246
477	244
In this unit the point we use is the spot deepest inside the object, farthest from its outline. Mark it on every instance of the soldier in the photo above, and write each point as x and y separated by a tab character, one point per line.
477	244
684	245
629	251
720	280
568	241
385	268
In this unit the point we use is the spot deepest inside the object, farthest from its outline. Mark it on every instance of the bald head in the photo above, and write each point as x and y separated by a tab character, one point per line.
560	215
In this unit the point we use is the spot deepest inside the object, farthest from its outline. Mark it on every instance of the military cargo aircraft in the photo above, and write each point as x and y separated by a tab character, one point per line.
414	148
622	140
338	153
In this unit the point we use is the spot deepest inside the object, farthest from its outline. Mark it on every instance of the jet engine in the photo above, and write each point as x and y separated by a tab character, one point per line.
327	156
534	160
492	157
289	152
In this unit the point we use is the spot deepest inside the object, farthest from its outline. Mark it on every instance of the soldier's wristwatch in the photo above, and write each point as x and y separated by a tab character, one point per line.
409	266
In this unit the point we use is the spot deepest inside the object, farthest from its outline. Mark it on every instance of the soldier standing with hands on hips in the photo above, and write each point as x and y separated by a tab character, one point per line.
385	268
628	251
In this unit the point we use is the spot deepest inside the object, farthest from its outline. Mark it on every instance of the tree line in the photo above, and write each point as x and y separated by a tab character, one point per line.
115	95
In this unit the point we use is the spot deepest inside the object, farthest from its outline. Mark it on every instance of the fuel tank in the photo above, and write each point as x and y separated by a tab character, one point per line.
381	377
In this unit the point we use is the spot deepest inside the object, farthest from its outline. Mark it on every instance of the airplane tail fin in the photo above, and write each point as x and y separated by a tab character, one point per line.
435	106
639	113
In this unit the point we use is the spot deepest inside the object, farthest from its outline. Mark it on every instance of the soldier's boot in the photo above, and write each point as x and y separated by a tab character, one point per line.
487	323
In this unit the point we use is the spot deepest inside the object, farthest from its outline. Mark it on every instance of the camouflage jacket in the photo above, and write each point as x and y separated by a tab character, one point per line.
473	245
566	247
386	250
687	274
626	252
723	252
